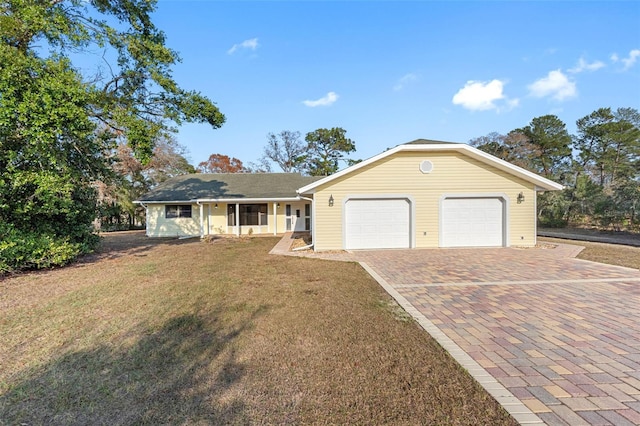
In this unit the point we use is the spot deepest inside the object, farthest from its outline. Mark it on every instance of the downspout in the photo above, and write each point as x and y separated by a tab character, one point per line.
201	218
313	228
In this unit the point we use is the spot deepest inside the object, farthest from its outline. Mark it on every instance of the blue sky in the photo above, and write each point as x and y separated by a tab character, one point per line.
392	72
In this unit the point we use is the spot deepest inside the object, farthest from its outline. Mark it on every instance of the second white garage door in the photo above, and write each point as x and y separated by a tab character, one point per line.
472	222
376	224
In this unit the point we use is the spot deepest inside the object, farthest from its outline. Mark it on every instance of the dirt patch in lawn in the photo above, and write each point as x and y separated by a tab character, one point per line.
183	332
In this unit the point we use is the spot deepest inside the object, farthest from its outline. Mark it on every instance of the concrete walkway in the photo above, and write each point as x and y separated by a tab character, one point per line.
554	339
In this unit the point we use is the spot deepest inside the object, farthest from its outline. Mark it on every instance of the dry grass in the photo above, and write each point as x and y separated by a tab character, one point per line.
612	254
184	332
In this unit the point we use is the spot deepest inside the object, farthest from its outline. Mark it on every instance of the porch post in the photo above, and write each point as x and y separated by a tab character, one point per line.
275	218
237	219
201	220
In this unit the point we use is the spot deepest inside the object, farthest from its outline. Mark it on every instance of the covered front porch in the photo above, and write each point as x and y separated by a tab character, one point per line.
248	217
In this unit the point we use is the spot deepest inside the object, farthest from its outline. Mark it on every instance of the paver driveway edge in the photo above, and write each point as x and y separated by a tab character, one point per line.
520	412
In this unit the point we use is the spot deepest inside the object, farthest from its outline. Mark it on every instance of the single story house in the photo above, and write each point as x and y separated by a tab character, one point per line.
203	204
420	194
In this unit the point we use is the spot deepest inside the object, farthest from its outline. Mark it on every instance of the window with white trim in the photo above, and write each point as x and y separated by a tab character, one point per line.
249	214
174	211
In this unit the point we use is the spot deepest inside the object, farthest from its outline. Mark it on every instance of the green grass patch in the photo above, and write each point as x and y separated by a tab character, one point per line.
185	332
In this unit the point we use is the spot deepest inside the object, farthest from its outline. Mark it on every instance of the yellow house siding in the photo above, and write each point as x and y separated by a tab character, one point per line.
399	174
216	220
159	226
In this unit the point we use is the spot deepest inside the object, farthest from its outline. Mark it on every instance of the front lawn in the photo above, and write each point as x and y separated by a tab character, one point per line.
184	332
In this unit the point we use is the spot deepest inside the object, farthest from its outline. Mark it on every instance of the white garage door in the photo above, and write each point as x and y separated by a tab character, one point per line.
472	222
375	224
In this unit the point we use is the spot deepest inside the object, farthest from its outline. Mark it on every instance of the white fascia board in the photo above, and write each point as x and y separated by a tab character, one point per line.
309	188
245	200
540	182
222	200
165	202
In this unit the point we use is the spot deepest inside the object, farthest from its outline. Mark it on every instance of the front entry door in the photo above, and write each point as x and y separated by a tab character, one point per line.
290	219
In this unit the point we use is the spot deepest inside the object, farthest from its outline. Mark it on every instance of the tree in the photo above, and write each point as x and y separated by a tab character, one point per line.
58	128
600	166
286	150
549	145
513	147
609	156
218	163
262	166
168	160
609	145
132	179
325	148
493	143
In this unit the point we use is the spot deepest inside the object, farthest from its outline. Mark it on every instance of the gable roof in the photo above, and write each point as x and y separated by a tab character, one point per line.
228	186
425	145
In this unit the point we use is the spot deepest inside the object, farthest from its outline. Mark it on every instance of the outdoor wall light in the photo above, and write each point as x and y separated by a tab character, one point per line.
216	206
331	200
520	198
278	205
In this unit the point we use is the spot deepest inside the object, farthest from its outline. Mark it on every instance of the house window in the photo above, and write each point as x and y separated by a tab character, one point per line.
175	211
250	215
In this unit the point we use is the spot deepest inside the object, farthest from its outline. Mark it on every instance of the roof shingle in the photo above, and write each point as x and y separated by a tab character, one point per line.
228	186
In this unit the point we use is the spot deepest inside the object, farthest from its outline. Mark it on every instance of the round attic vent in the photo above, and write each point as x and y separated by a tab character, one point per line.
426	166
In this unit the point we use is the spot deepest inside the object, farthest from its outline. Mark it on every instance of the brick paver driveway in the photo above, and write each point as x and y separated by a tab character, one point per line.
561	334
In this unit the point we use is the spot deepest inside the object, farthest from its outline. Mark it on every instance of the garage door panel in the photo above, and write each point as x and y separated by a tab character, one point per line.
472	222
382	223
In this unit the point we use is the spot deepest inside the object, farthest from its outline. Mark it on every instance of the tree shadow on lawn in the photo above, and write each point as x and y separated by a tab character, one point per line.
184	372
114	245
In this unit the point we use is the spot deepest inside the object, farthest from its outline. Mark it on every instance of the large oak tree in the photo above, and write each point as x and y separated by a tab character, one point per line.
59	127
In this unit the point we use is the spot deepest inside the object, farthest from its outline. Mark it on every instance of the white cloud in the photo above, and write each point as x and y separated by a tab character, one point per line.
327	100
479	95
512	103
629	61
404	81
251	44
583	65
555	84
